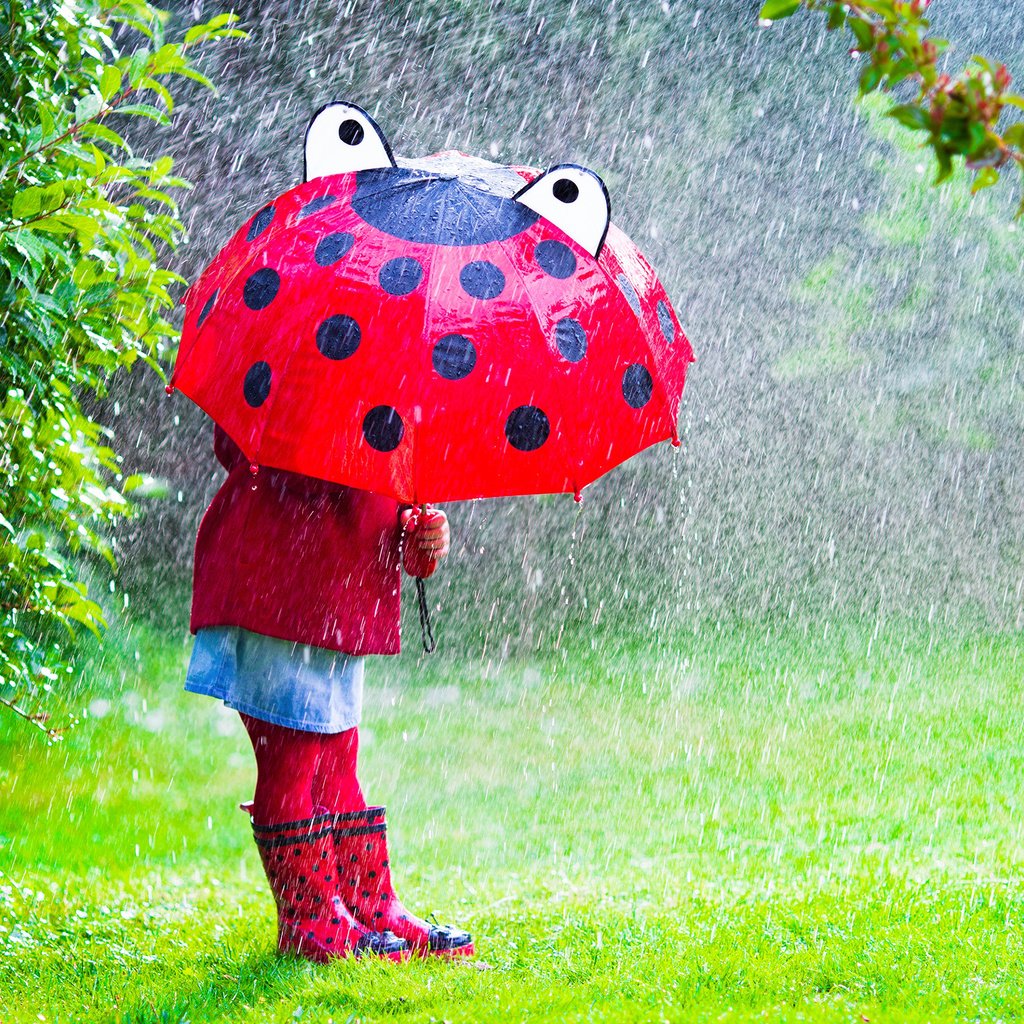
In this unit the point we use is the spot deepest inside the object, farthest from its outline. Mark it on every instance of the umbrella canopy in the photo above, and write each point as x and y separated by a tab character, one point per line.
437	330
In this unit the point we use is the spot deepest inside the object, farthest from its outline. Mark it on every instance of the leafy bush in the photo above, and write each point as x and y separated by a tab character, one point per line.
959	115
85	230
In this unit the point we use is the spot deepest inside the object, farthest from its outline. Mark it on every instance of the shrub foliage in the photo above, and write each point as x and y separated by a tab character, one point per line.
959	114
86	227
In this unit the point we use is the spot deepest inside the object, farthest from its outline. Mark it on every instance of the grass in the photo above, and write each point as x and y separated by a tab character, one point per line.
739	823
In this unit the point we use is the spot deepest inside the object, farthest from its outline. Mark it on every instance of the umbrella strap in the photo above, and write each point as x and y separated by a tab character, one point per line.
428	634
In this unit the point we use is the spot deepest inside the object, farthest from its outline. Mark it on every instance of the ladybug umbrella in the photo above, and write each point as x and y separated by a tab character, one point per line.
437	330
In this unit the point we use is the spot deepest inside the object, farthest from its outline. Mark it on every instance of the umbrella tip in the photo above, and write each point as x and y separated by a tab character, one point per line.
675	438
169	389
577	496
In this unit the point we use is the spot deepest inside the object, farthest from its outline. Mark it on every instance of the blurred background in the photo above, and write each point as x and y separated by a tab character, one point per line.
852	428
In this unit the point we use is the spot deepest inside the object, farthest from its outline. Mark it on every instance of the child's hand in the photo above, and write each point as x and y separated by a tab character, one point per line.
427	540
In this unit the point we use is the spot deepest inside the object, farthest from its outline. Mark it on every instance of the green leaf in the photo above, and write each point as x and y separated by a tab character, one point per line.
863	32
161	90
51	225
87	272
161	167
901	70
870	79
35	249
88	107
945	162
37	199
1014	135
195	33
144	110
775	10
197	76
104	134
110	81
28	202
985	178
46	121
167	58
138	67
911	116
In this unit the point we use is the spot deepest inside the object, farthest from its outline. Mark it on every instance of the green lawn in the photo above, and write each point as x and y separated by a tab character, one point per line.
736	824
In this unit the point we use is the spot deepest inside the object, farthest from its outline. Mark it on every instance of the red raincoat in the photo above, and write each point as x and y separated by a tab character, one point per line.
298	559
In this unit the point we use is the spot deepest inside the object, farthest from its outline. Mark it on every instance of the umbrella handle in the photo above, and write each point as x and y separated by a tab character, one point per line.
426	632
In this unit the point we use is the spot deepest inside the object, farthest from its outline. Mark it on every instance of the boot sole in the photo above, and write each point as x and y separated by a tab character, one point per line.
308	950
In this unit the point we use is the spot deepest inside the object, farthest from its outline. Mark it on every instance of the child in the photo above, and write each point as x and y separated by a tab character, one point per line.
296	580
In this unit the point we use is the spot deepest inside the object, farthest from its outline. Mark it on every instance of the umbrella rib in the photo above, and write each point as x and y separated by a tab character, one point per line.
569	463
428	312
658	384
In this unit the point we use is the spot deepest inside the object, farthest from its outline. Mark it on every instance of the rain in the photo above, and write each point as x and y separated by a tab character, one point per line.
751	700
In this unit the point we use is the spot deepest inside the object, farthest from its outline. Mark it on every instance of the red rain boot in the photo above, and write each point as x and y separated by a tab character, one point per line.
312	919
360	840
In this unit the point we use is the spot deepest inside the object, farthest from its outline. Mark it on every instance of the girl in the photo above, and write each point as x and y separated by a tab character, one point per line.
295	581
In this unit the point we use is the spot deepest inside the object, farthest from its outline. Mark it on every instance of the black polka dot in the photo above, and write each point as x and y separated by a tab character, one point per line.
668	327
637	385
454	356
260	223
383	430
527	428
571	339
555	258
257	384
401	275
332	247
207	308
565	190
482	280
260	289
315	205
630	292
351	132
338	336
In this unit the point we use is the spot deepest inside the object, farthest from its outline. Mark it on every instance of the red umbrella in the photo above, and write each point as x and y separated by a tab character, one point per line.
444	329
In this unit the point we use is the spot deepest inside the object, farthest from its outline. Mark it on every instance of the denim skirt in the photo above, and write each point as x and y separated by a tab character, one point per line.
295	685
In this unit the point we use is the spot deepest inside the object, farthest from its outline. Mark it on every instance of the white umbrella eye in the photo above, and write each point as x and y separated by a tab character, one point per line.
342	138
574	199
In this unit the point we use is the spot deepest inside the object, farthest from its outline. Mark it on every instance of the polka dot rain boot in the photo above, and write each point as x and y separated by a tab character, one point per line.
312	919
364	869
